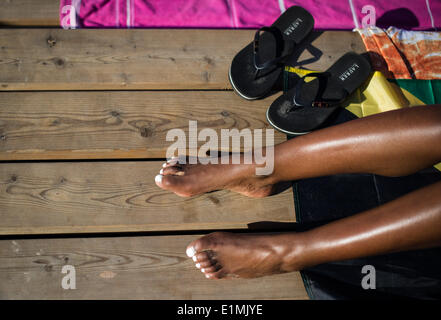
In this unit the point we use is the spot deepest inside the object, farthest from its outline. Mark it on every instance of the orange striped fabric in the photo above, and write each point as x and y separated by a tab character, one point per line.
402	54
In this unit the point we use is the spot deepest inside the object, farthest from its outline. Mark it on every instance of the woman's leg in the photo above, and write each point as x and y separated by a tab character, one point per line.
410	222
392	143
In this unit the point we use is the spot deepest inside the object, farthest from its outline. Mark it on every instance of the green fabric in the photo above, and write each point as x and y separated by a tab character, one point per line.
428	91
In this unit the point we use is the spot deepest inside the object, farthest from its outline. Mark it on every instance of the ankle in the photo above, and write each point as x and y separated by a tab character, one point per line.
270	178
247	168
293	252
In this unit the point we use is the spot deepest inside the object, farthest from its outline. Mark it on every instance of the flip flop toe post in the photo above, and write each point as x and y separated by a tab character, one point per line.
308	105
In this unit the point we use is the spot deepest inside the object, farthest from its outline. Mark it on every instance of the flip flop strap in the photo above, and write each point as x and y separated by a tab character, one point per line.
318	101
259	65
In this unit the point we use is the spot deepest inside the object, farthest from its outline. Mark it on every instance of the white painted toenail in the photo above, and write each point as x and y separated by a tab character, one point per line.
191	252
207	276
194	259
161	171
158	178
203	270
164	164
198	265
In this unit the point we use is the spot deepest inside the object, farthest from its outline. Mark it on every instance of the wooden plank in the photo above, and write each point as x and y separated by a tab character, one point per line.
29	13
124	268
45	198
124	124
135	59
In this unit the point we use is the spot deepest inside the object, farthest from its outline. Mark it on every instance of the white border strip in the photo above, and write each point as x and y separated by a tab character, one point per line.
354	16
430	14
128	13
77	6
230	10
133	13
282	6
117	13
233	11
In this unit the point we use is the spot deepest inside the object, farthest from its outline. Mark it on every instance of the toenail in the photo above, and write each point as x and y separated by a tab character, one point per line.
191	252
161	171
198	265
207	276
164	164
194	259
203	270
158	178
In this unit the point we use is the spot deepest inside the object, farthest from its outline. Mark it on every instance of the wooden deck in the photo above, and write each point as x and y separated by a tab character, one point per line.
83	120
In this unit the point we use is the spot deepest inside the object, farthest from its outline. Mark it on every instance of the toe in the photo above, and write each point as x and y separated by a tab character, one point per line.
170	163
202	258
210	269
172	170
172	183
215	275
174	160
205	264
169	182
158	180
202	244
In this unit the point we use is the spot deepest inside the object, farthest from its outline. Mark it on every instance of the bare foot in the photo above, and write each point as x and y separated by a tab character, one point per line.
192	179
224	255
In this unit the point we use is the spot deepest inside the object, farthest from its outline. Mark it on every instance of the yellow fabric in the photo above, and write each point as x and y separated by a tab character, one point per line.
376	95
379	95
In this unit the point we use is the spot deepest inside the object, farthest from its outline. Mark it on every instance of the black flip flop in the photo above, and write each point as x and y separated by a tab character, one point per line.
307	106
257	68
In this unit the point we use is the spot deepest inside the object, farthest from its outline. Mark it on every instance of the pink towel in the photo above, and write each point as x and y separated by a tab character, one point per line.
336	14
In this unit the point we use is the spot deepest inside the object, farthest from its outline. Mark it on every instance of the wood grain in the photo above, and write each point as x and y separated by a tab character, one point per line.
122	124
124	268
26	13
136	59
42	198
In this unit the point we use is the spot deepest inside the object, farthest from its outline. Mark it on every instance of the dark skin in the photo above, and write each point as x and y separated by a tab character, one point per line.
393	143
